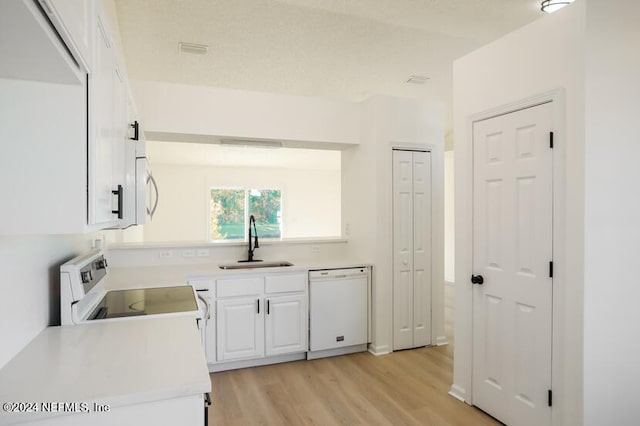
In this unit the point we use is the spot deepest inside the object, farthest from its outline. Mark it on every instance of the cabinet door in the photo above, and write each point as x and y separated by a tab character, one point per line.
108	124
130	146
240	328
286	324
73	19
101	118
118	141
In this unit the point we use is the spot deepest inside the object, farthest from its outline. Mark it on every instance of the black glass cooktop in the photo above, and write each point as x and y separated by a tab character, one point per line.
145	301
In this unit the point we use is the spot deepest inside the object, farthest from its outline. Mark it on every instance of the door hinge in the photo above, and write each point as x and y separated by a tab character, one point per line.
550	398
550	269
551	140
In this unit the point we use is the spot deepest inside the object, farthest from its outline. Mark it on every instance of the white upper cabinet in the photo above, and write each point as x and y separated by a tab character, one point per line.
30	49
112	152
63	120
132	141
102	87
73	20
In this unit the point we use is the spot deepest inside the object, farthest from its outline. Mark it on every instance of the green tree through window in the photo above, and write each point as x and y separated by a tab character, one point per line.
231	208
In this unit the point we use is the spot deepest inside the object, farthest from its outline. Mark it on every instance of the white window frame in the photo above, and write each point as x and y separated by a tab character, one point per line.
246	190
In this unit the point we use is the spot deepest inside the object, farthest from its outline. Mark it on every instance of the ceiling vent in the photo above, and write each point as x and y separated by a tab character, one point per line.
417	79
194	48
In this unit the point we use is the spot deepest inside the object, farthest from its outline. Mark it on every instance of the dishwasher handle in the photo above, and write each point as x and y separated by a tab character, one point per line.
338	274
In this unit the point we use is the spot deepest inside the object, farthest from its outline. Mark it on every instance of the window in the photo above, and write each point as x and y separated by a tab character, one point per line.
231	209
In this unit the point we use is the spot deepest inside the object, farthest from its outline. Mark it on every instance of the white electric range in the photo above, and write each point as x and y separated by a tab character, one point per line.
85	296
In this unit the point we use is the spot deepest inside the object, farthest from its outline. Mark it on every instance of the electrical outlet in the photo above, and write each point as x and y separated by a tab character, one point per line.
315	248
347	229
166	254
203	253
189	253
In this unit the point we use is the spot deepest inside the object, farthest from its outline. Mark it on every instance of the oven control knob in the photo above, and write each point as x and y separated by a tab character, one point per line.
86	277
101	264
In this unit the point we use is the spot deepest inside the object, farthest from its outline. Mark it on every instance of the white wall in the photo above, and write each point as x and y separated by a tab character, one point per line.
612	203
449	218
321	253
30	286
545	55
310	199
367	200
200	110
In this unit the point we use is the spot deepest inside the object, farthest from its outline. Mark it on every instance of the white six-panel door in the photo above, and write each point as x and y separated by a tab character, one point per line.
411	249
512	251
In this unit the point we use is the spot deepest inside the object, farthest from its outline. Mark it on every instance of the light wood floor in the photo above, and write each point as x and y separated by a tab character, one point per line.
403	388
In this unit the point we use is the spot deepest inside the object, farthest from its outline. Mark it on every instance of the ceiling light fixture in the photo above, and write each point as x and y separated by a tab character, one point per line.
417	79
250	143
550	6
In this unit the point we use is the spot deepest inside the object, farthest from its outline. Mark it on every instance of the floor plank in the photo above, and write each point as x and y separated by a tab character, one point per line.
403	388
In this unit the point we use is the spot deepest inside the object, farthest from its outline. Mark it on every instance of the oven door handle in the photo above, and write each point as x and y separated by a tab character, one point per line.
207	312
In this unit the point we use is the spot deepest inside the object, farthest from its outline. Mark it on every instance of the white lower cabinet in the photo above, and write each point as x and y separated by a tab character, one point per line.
240	328
256	317
286	324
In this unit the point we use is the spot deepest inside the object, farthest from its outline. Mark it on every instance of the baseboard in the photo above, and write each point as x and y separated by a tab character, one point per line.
441	341
458	393
233	365
337	351
379	350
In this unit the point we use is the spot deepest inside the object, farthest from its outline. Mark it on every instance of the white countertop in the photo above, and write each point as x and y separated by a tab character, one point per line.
115	363
137	277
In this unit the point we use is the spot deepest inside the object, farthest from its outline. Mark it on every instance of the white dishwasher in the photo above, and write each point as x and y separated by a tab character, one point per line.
339	311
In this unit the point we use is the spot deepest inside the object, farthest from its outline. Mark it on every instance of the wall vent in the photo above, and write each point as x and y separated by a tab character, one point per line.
417	79
194	48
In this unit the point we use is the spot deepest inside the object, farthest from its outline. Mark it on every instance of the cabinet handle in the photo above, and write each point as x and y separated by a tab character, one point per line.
268	306
258	300
207	404
152	211
135	127
120	193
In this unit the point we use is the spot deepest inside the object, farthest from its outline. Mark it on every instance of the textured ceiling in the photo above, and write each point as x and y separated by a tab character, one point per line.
341	49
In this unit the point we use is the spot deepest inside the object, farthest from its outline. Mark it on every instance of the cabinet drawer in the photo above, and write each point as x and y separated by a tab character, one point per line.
239	287
202	284
285	283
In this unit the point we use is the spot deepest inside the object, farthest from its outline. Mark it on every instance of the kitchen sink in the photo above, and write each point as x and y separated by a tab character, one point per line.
255	265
